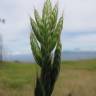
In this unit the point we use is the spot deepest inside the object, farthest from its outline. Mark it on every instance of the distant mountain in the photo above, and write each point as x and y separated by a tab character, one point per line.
20	58
77	55
66	55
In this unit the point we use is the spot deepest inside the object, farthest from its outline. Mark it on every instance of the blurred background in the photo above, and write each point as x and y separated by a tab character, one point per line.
78	36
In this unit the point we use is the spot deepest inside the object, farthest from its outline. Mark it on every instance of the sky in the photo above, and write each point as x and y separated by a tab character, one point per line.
79	31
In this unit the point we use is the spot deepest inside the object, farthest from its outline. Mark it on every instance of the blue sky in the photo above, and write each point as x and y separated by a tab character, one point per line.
79	30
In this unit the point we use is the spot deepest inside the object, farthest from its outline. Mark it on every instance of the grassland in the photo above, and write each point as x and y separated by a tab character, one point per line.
77	78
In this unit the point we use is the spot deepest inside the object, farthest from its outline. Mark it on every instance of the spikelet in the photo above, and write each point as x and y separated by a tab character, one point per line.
44	39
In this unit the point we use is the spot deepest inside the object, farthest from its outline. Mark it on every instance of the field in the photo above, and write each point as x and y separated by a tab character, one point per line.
77	78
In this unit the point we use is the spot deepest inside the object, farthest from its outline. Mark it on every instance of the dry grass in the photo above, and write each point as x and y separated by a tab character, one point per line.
76	82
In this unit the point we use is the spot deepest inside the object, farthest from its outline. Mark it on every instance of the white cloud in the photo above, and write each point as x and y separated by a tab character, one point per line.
86	42
80	15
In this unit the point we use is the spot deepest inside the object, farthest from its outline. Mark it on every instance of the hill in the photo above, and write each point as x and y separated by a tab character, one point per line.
66	55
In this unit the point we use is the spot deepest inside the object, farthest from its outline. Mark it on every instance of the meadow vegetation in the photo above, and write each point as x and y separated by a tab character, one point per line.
77	78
